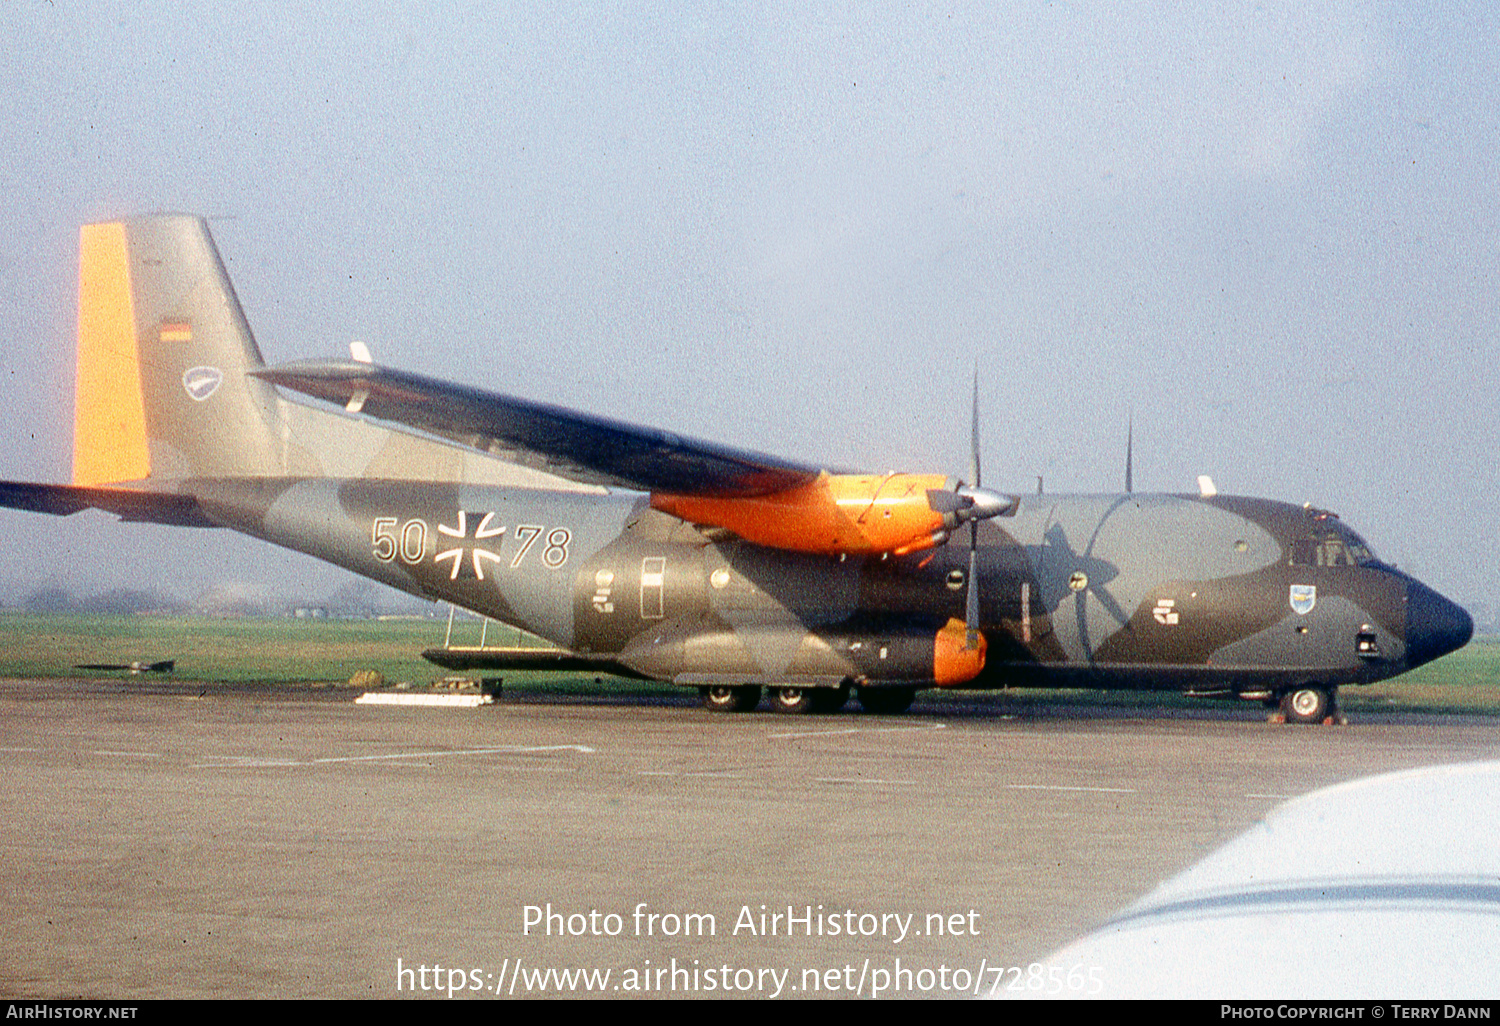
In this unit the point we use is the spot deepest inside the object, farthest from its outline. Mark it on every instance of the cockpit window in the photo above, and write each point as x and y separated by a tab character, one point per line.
1332	544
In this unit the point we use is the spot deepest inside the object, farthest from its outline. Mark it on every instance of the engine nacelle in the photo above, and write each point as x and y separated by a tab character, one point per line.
845	514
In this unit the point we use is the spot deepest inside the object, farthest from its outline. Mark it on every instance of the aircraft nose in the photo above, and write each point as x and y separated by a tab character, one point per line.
1434	626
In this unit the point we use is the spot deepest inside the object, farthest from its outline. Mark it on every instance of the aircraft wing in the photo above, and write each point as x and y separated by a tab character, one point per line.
576	445
126	503
1384	885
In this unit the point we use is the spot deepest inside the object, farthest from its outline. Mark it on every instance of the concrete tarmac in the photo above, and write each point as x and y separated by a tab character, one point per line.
167	841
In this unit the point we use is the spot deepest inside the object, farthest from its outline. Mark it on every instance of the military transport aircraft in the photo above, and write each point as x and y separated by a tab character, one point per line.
641	553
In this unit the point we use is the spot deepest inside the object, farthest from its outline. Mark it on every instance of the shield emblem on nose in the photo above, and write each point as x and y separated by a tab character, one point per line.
1304	597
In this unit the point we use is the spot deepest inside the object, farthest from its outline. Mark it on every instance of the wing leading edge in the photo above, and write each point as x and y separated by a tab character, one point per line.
576	445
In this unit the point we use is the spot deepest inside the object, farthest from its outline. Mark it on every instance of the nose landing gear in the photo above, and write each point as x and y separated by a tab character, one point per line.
1309	703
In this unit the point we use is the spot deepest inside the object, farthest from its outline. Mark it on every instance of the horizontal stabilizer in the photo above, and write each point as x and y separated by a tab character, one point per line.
574	445
126	503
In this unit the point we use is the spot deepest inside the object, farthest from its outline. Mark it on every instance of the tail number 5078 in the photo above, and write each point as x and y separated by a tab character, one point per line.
468	551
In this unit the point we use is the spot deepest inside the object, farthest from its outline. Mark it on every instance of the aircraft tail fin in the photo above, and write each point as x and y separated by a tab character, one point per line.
164	355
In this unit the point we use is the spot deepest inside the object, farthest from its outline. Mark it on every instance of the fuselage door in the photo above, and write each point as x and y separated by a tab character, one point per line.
653	587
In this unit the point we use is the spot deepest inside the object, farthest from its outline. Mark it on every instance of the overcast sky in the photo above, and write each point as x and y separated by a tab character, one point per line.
1267	231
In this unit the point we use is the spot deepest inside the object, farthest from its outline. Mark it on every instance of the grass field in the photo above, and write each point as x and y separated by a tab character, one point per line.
292	651
238	650
282	650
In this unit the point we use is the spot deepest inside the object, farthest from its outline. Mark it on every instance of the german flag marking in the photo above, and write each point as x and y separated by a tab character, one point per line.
176	331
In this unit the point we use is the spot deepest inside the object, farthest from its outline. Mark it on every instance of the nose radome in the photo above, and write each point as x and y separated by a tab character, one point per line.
1434	626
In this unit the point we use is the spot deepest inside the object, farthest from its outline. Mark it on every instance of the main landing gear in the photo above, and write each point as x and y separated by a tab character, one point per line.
730	697
885	701
820	701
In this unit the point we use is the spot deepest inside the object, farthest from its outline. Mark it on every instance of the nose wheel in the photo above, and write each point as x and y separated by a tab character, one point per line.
1309	704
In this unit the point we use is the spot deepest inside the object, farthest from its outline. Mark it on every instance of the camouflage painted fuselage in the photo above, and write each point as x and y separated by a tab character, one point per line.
1134	590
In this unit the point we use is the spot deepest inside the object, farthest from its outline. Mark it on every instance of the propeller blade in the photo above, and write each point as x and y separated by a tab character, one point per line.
974	432
971	605
984	504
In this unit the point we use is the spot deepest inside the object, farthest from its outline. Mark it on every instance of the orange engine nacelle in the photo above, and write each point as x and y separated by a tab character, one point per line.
836	514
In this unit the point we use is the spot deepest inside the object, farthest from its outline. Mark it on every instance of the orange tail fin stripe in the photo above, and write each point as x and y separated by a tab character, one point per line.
109	413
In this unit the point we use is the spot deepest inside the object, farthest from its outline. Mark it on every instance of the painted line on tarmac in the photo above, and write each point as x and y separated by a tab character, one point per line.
537	769
857	730
862	780
719	774
1064	787
237	761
